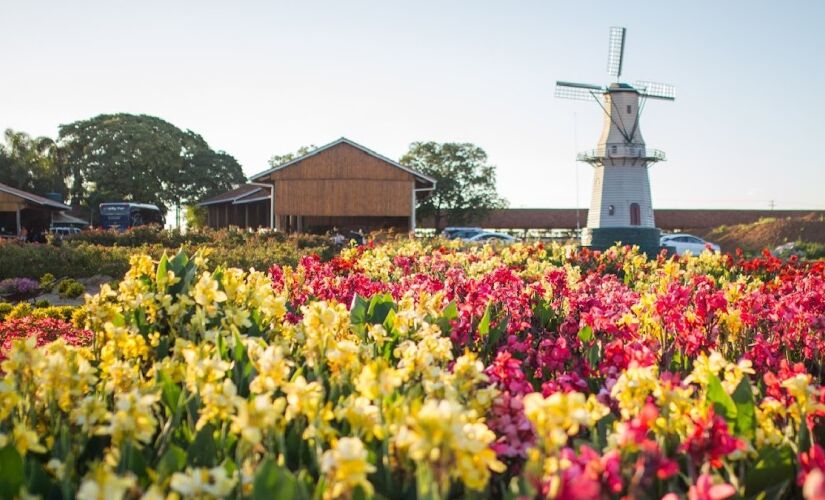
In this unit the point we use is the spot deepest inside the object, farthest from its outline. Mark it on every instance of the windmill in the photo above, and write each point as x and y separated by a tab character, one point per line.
620	205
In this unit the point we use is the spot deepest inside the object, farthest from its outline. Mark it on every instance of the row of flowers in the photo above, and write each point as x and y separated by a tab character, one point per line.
406	369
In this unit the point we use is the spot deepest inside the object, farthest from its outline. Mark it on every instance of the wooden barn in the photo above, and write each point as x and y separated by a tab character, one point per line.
342	185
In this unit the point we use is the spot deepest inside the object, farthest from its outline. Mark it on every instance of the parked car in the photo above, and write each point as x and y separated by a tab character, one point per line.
64	231
682	243
490	236
452	233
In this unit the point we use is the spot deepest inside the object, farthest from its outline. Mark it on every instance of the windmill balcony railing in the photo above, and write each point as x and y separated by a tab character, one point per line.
615	151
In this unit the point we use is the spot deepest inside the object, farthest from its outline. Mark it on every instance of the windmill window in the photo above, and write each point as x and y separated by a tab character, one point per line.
629	109
611	210
613	149
635	215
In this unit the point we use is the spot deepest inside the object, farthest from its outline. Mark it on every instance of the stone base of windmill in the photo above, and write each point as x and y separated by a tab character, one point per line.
602	238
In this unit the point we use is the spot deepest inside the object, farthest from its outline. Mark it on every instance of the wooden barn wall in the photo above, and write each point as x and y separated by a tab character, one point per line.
343	181
343	197
10	203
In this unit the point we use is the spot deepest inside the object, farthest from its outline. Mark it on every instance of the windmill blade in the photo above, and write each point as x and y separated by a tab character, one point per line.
656	90
615	51
578	91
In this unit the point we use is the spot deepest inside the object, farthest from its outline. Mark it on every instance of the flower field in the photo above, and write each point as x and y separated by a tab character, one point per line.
409	369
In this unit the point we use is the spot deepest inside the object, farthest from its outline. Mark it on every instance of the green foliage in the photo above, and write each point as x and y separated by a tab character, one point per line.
21	310
195	217
277	160
63	313
70	289
107	252
5	309
31	164
466	183
142	158
47	282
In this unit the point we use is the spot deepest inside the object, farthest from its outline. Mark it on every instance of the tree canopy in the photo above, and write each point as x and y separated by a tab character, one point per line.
466	187
144	159
276	160
31	163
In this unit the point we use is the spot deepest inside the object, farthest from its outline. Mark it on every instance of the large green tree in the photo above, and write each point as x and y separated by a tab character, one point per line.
466	188
31	163
142	158
277	160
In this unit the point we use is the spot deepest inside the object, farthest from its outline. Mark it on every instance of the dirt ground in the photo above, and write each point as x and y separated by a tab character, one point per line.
767	233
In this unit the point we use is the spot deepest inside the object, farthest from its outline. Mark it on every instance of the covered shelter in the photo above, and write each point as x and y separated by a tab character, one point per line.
22	210
339	186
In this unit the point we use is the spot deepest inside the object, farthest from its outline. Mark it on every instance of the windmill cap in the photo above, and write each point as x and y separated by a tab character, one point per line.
621	86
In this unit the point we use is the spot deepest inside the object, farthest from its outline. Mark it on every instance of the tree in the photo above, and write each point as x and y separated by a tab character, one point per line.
142	158
31	164
277	160
466	183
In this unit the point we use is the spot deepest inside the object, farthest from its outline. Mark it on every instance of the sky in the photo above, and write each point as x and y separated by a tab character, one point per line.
262	78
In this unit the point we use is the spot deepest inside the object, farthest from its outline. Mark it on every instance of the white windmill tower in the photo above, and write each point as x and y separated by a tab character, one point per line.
620	206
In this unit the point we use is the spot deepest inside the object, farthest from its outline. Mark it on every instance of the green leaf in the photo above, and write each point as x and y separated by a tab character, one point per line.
380	306
745	424
722	402
447	315
274	482
484	324
203	452
132	460
773	466
161	277
389	323
11	477
358	311
170	391
586	334
174	460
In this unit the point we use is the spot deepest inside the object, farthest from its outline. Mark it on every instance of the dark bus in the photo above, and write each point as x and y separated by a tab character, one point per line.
124	215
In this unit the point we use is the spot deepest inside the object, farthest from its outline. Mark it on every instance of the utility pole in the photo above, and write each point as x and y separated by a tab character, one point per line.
772	204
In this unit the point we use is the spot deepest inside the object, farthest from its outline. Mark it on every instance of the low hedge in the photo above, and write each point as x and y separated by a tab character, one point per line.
81	257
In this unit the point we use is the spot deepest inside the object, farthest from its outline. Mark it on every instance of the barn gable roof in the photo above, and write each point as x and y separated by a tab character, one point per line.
34	198
344	140
233	196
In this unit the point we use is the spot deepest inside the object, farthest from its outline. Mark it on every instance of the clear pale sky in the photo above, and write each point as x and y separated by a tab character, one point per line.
260	78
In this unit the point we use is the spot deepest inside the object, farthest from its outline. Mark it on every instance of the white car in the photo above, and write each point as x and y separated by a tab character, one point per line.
490	236
682	243
461	232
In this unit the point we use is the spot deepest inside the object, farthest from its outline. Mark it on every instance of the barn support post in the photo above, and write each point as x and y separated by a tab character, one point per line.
17	214
414	200
271	187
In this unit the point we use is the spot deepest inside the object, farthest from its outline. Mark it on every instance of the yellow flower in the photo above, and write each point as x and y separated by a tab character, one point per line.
561	415
303	398
133	418
254	418
272	367
633	387
26	440
346	466
103	484
218	401
207	294
363	417
201	482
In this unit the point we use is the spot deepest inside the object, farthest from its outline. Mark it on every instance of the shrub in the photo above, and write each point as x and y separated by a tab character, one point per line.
42	303
5	309
64	313
19	287
70	289
21	310
47	281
